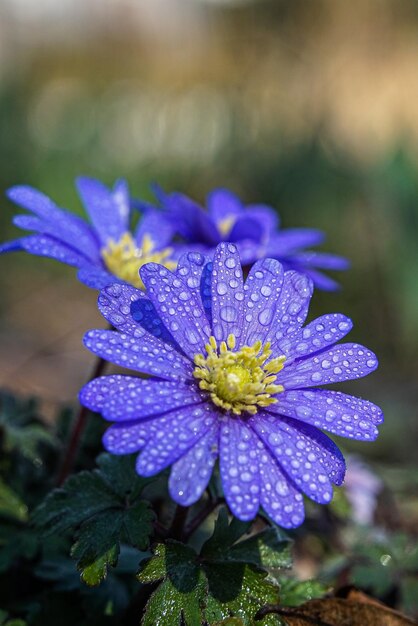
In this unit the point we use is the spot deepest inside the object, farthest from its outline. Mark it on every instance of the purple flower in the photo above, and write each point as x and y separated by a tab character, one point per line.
106	250
254	229
232	374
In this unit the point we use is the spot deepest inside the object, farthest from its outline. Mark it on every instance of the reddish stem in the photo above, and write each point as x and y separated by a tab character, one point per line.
77	431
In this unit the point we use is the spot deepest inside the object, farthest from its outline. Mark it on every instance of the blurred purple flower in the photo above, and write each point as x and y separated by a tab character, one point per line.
254	229
106	250
362	487
232	374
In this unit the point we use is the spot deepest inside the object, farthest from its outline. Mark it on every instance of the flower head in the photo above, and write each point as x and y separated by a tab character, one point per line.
254	229
104	251
233	374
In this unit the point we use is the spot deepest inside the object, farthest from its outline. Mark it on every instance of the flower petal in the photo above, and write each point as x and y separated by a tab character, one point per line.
130	311
196	270
155	225
322	260
264	214
190	475
333	411
222	204
227	292
97	278
316	336
345	361
173	435
291	307
239	451
108	210
145	354
126	438
261	292
179	308
44	245
125	398
66	228
308	456
290	240
189	219
320	280
279	497
247	227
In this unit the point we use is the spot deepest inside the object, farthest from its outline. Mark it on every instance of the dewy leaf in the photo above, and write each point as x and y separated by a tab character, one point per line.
102	508
180	595
241	591
94	573
200	591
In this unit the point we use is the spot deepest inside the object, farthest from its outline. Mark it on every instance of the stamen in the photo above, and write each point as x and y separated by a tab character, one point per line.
239	381
124	259
225	226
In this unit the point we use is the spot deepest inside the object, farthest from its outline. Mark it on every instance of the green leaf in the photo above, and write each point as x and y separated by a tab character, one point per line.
239	590
94	573
198	591
294	592
225	534
101	508
268	549
182	591
11	505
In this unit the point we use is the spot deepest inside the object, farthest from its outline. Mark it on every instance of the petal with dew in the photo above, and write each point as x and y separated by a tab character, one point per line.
180	310
190	475
238	458
126	398
336	412
308	456
173	435
145	354
279	497
261	292
345	361
227	292
315	336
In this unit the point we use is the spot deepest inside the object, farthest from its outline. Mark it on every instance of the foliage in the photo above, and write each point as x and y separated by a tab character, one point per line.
103	508
229	578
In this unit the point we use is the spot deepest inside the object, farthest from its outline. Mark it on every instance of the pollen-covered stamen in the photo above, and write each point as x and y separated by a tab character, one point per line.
124	258
241	381
225	225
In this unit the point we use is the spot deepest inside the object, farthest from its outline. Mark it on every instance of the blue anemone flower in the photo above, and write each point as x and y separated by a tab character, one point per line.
232	374
106	250
254	229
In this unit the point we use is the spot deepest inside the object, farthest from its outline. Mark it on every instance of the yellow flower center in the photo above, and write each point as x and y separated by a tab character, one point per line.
239	381
123	258
225	225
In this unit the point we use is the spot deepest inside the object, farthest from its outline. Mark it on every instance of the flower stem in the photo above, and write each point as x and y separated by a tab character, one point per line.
177	525
209	507
77	430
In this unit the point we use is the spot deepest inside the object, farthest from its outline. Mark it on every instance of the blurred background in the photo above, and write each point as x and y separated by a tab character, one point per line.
308	106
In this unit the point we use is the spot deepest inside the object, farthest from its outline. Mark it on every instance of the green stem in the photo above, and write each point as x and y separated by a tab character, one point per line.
177	525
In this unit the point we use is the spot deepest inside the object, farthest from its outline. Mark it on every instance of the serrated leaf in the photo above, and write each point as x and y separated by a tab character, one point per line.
102	509
200	592
95	572
225	534
294	592
270	548
11	505
241	591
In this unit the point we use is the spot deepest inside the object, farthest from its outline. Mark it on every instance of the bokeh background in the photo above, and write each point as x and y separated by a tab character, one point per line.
310	106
